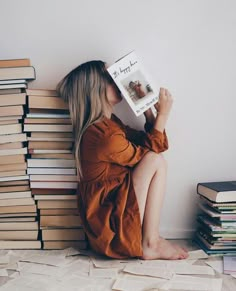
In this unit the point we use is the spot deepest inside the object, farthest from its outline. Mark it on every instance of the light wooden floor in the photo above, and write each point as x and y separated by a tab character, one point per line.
229	283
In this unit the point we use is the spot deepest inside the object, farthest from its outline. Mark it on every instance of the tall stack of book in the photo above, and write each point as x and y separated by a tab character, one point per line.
52	170
18	226
217	222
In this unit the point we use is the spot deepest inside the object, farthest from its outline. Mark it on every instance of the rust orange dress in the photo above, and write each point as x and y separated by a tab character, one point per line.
107	201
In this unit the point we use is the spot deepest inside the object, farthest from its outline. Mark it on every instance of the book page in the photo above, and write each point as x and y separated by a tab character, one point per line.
134	283
229	263
216	263
177	267
158	272
134	83
181	282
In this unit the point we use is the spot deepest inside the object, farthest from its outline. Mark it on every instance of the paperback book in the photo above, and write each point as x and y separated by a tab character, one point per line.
134	83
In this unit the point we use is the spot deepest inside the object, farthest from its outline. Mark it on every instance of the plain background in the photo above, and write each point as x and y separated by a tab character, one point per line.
187	46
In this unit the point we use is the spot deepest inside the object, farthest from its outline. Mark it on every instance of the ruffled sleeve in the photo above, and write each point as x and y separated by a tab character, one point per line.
115	147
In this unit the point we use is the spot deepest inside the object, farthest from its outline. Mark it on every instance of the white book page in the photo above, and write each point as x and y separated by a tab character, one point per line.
181	282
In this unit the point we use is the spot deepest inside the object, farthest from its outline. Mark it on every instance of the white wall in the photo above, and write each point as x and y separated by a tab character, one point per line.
188	46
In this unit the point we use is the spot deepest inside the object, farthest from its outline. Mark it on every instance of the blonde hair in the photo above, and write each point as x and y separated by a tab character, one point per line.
84	89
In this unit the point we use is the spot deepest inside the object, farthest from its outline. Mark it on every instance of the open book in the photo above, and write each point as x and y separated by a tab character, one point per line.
134	83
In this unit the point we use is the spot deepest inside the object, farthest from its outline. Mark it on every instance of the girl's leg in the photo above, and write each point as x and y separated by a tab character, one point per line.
149	179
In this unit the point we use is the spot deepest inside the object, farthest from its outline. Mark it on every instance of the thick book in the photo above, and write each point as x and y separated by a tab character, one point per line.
10	91
10	129
60	245
16	216
12	173
43	102
19	235
30	225
8	122
8	82
12	145
54	185
53	171
47	115
54	178
14	189
13	167
17	202
15	195
17	219
218	191
15	63
69	221
14	159
48	127
53	145
14	178
13	86
52	134
14	73
61	211
54	197
214	213
46	120
18	209
13	152
11	110
53	156
52	204
50	163
12	99
63	234
38	191
41	92
13	117
20	244
134	83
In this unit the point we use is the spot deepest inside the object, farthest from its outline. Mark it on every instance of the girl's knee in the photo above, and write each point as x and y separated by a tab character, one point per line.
157	159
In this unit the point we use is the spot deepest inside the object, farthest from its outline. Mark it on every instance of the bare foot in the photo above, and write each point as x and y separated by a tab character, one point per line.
162	249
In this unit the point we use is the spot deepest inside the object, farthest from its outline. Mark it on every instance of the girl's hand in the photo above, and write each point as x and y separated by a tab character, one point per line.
164	105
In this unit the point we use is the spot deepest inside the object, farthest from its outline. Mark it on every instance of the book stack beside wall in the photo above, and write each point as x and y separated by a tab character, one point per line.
18	224
216	233
52	170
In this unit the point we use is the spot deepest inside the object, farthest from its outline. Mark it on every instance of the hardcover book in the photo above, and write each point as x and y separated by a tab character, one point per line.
134	83
218	191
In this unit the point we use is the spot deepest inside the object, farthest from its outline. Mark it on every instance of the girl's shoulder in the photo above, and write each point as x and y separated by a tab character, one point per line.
105	127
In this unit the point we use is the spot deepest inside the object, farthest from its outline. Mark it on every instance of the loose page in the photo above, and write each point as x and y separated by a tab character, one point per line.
197	254
181	282
137	283
103	273
148	271
216	263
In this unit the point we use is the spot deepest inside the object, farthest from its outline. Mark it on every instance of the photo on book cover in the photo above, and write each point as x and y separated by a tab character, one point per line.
134	83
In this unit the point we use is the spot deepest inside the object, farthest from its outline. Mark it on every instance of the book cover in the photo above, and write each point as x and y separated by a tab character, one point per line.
218	191
134	83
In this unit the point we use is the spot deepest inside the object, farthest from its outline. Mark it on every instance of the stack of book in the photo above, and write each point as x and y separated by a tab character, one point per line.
52	170
217	222
18	224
